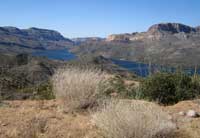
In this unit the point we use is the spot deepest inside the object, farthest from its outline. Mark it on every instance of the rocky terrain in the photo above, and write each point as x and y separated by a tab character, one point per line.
46	119
166	43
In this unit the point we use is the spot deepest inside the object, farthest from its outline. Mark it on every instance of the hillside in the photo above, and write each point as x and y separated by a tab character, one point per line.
21	75
166	43
101	63
14	40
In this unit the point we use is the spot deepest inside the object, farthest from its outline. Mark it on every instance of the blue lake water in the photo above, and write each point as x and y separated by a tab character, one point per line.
140	69
144	70
55	54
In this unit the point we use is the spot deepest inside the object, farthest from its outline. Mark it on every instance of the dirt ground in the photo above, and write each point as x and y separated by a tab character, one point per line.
45	119
187	127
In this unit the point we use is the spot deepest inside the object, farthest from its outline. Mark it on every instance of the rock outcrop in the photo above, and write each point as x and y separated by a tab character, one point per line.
171	28
119	37
157	32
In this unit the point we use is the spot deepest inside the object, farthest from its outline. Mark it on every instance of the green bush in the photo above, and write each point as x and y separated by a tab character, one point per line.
43	91
169	88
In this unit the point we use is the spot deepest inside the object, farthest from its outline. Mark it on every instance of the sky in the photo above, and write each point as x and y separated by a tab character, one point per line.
85	18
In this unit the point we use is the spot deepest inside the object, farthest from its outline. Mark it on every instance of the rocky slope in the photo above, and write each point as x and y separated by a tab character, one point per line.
165	43
25	40
22	72
157	32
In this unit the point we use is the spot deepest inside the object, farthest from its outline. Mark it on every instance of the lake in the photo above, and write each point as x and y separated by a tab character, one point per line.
63	54
144	70
137	68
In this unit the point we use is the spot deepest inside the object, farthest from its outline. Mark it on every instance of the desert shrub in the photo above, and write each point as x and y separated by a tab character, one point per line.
45	91
116	84
78	88
132	119
22	59
168	88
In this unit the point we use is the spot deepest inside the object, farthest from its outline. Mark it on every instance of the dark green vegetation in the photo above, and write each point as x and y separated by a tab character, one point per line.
169	88
164	88
23	76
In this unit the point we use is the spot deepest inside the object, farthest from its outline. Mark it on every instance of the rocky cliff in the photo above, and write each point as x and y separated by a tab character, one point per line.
157	32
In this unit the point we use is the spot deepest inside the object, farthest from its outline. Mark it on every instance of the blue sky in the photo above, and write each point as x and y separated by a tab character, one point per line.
82	18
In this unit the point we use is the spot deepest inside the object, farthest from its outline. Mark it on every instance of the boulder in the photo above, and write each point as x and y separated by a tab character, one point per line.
182	113
192	113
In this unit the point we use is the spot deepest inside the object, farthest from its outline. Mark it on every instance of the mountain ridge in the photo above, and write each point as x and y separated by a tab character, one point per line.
155	32
168	44
26	40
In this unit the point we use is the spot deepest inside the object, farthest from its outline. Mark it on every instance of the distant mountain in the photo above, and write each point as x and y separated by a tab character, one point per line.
165	43
13	39
171	28
81	40
157	32
43	34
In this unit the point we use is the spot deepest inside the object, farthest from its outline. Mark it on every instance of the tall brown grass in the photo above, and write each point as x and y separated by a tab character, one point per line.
78	88
132	119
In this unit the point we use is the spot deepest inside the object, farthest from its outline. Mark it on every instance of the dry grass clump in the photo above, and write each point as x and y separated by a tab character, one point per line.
78	88
36	126
132	119
33	128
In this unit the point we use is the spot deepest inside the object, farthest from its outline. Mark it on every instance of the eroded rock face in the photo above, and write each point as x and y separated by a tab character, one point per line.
44	34
171	28
119	37
33	33
157	32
